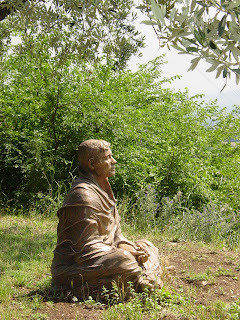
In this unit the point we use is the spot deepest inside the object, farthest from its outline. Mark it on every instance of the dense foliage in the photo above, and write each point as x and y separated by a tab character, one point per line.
87	30
159	137
209	30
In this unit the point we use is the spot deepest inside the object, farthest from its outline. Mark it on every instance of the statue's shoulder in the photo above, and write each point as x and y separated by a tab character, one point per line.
84	185
83	192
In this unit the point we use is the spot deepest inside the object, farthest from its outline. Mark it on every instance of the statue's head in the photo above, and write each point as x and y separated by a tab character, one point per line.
95	157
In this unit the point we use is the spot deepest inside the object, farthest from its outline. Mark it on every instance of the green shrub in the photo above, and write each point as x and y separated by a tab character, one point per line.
159	137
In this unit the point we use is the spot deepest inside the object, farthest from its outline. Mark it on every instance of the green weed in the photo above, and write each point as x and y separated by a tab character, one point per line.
205	276
213	224
224	272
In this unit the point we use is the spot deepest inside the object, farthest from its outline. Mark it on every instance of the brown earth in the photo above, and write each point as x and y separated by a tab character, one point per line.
213	274
198	272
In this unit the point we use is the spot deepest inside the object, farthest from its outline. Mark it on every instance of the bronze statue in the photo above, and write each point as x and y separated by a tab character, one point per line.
91	251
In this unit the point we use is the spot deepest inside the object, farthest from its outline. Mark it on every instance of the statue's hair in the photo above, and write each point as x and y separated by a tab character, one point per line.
90	149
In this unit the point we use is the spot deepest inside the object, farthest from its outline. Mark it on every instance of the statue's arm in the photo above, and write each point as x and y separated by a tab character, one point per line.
78	232
123	243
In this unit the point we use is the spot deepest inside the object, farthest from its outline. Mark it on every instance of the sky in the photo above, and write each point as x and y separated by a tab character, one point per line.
197	81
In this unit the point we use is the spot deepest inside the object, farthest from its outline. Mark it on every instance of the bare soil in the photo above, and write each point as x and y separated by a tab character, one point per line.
199	272
209	274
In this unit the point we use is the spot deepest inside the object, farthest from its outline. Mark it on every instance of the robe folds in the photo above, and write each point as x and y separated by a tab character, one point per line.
87	255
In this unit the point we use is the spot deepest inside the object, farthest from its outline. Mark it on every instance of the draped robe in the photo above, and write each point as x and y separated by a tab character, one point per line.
87	255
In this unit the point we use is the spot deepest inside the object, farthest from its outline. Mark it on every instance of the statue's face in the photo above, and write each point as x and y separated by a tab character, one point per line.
104	165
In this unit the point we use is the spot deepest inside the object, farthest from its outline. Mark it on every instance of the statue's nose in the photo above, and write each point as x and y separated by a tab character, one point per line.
113	160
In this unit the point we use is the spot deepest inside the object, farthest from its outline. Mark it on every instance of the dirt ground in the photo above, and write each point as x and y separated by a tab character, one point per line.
198	271
213	274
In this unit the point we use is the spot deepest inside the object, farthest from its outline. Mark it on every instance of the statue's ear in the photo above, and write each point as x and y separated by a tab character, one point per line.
91	164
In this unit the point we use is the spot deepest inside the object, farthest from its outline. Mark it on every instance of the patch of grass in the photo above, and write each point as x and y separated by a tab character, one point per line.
162	304
224	272
25	259
204	276
165	305
39	316
219	311
237	267
199	258
209	275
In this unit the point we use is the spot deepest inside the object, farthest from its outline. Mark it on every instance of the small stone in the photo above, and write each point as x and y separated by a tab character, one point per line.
171	268
74	299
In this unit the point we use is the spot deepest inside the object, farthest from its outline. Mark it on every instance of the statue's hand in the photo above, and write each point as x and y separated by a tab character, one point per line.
142	255
128	248
139	253
141	258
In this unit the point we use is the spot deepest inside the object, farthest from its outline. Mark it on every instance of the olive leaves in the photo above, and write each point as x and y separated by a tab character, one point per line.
93	28
207	29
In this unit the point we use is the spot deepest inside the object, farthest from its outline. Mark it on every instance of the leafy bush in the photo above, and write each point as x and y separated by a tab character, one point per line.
159	137
214	223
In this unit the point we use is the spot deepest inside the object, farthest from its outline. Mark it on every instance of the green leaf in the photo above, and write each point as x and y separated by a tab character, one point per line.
225	72
221	25
158	12
141	7
201	3
198	36
200	13
173	11
219	70
194	62
193	5
236	71
175	46
149	22
213	67
237	79
212	45
235	52
233	5
192	49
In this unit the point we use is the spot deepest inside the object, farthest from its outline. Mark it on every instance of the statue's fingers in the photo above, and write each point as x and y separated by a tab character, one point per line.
140	259
138	253
144	258
143	249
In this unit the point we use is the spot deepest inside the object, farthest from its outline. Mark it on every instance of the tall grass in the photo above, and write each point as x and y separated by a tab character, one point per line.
216	222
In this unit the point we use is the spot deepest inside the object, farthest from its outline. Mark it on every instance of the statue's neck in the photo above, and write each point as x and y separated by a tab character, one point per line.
102	183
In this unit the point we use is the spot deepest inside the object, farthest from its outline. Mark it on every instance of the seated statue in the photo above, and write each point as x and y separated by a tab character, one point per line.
91	251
